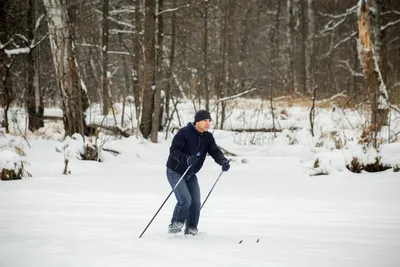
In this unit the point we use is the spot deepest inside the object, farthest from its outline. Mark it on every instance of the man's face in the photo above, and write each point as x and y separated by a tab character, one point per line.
203	126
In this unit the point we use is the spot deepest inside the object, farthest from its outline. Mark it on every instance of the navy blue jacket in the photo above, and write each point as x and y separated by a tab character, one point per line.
188	142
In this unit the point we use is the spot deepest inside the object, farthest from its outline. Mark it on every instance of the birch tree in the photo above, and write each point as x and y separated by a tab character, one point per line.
371	45
73	94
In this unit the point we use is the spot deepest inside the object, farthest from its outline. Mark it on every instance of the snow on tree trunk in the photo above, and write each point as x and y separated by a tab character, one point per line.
73	95
370	44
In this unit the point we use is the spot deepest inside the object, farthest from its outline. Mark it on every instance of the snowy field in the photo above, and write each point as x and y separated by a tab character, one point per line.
265	211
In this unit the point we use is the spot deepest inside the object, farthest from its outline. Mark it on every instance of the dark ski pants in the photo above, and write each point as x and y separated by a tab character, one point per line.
188	196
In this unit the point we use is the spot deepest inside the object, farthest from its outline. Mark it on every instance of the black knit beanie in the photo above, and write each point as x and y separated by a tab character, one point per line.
202	115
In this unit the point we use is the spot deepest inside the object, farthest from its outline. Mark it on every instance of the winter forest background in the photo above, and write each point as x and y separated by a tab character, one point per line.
304	96
147	57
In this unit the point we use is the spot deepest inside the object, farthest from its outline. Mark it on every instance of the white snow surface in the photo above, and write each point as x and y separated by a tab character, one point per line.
94	216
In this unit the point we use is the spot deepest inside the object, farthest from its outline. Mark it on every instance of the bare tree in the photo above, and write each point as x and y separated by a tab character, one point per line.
156	120
149	71
104	47
73	96
6	91
371	44
34	100
309	57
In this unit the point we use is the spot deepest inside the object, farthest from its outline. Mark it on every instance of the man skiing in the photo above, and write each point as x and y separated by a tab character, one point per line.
189	148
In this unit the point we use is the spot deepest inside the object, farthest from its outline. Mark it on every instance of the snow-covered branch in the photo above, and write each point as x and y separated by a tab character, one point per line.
117	21
348	11
23	50
340	43
122	11
349	68
2	46
333	24
172	9
237	95
108	52
324	101
38	22
394	107
116	31
389	24
181	7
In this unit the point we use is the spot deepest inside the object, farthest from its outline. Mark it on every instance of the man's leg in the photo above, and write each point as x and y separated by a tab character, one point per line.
182	195
194	212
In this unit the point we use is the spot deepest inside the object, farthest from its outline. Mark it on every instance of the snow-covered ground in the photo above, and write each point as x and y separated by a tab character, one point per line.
94	216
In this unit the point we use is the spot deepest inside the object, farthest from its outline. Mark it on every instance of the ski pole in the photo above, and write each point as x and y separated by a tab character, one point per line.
170	193
212	188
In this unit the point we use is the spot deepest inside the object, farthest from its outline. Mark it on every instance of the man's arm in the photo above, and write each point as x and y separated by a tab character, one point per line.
178	143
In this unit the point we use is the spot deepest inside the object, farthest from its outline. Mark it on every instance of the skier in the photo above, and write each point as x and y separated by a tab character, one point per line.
189	147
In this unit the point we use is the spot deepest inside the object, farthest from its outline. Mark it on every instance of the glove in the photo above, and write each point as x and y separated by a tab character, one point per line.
192	160
225	165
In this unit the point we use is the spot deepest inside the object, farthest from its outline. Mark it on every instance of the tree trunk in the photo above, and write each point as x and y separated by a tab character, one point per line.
168	92
371	44
136	63
33	98
221	77
156	121
149	71
299	47
104	41
289	46
206	67
126	83
309	57
6	92
73	96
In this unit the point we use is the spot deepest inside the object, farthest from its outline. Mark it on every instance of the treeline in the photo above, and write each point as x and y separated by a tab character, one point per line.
72	53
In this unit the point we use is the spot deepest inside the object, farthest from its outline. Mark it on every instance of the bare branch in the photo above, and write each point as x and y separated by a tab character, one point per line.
119	11
116	20
181	7
339	43
172	9
108	52
324	101
38	22
237	95
41	40
333	24
394	107
349	68
232	97
389	24
116	31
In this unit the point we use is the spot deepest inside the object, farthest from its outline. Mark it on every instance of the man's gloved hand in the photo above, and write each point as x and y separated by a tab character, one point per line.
225	165
192	160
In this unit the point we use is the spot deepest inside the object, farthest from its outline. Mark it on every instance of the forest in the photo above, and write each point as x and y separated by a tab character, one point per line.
154	54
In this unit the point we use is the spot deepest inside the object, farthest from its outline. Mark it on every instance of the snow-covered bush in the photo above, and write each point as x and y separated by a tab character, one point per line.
11	160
